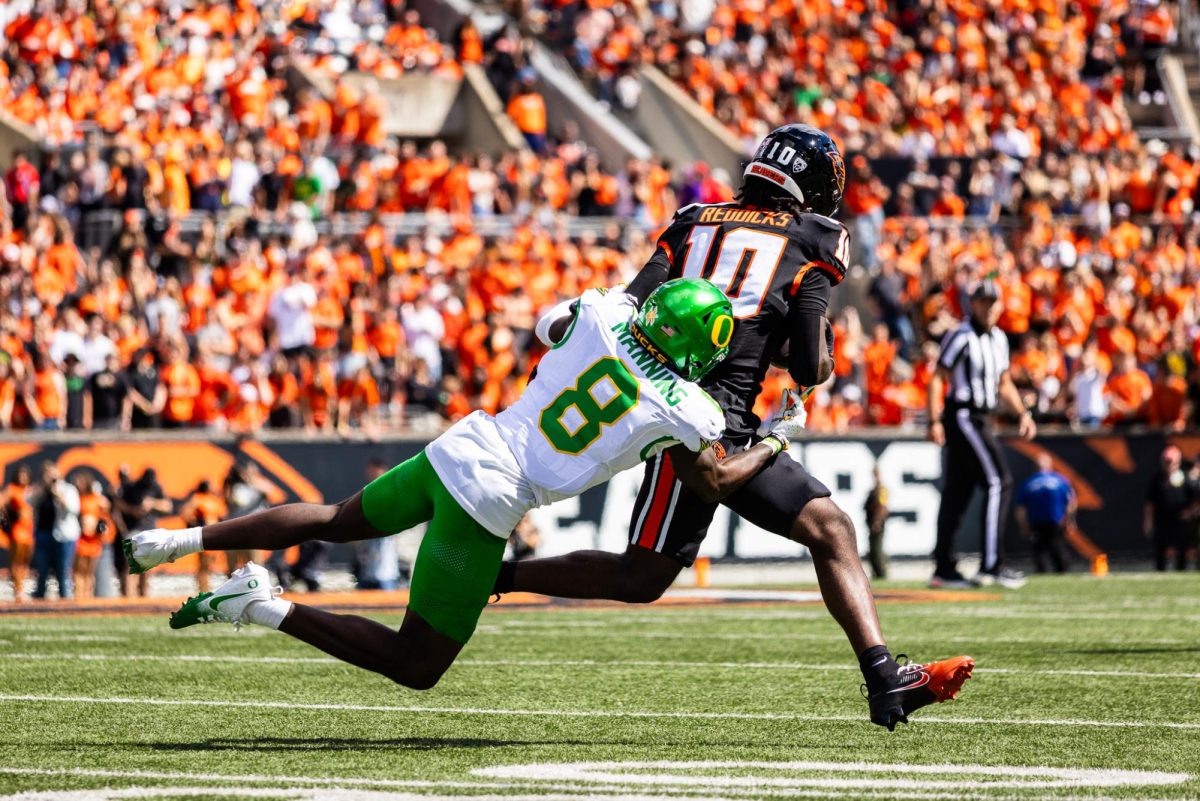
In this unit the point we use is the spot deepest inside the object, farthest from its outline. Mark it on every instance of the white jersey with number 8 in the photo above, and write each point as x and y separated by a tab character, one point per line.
600	404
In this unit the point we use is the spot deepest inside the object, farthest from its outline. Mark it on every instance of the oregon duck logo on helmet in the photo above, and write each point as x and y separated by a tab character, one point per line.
686	324
722	331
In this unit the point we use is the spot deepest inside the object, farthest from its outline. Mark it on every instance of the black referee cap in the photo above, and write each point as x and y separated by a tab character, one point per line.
985	290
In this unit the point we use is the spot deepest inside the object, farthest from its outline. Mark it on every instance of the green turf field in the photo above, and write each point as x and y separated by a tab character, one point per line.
1084	688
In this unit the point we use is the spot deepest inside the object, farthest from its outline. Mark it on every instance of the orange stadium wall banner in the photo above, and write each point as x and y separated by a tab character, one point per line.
1110	474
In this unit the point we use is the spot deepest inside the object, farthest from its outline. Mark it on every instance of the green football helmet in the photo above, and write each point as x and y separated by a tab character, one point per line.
686	324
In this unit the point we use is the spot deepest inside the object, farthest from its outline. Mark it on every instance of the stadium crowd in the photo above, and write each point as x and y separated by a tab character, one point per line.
918	78
165	111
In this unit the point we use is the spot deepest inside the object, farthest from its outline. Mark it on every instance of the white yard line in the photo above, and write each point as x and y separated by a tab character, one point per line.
242	778
547	786
583	713
586	663
73	638
864	775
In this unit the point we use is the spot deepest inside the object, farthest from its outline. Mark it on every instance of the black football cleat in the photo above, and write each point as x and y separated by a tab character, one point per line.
918	686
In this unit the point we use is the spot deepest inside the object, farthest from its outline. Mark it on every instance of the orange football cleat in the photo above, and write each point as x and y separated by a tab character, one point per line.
918	686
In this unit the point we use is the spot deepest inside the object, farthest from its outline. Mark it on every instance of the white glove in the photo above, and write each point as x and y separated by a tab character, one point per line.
789	421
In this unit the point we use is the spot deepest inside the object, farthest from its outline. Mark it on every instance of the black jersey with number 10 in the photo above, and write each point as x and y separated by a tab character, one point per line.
770	264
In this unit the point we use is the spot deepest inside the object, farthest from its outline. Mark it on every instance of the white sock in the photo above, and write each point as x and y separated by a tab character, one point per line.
267	613
190	540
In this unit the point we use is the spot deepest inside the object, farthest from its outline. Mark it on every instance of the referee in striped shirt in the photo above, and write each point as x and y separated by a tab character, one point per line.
974	364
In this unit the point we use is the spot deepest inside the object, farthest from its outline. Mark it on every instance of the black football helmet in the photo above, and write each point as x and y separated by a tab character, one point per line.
805	163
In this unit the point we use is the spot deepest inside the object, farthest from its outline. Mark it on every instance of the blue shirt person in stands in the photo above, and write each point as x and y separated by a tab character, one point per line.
1045	507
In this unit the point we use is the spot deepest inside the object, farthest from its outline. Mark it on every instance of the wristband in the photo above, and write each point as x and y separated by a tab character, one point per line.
777	442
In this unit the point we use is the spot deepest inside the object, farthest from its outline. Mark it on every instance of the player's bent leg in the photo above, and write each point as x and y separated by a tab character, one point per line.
452	580
416	656
636	576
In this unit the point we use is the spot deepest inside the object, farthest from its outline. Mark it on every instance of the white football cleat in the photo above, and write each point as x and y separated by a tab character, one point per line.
227	604
152	548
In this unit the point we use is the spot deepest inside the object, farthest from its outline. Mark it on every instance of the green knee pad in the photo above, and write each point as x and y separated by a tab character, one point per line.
455	572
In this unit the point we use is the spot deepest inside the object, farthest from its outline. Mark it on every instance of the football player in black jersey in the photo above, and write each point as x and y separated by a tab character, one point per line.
777	253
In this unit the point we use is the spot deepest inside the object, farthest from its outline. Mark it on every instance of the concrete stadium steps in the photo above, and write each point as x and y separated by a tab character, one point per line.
465	113
1184	99
567	99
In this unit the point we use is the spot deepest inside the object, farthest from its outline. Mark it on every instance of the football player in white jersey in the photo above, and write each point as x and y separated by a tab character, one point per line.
616	387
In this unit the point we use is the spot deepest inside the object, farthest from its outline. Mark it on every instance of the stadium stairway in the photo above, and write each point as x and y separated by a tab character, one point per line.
1178	69
675	124
15	135
666	121
567	100
465	113
1181	81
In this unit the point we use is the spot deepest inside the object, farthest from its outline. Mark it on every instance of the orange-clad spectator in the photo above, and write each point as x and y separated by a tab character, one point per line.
203	508
252	405
217	392
285	394
387	337
314	116
899	401
63	257
470	43
949	204
1016	299
327	319
46	394
96	531
1128	390
18	511
527	109
358	397
9	384
1169	406
183	388
456	404
177	196
318	392
877	358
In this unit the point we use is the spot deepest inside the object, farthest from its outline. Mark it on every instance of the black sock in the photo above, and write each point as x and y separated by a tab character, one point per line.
878	667
505	578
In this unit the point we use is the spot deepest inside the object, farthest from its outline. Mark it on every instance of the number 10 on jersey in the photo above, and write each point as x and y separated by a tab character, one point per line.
744	265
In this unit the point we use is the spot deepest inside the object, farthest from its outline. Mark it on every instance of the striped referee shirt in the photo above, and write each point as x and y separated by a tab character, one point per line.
975	361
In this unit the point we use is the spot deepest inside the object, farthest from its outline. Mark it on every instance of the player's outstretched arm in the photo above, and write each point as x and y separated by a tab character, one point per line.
712	477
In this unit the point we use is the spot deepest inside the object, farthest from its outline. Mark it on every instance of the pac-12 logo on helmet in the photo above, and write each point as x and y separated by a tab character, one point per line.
805	162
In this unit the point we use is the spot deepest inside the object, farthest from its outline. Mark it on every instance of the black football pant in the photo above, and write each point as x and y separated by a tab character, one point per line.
972	458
